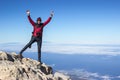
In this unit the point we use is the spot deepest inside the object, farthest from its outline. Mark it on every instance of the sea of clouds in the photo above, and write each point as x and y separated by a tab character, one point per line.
81	74
104	49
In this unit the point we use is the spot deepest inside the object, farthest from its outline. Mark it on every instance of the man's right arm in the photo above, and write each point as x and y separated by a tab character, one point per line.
29	18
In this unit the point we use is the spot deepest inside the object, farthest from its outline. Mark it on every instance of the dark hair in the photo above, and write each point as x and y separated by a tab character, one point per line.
39	19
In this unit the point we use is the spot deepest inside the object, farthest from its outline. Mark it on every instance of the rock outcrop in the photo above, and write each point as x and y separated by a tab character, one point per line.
12	68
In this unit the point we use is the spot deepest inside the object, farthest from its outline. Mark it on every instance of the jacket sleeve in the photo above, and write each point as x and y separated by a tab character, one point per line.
31	21
47	21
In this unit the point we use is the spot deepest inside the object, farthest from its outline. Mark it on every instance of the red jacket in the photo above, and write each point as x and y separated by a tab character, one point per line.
38	30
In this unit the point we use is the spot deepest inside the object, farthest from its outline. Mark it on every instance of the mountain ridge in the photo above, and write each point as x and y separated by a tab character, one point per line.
12	68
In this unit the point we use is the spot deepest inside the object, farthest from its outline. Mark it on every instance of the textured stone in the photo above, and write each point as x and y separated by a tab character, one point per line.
12	68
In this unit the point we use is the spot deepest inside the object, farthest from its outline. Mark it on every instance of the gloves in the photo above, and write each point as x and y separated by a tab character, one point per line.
52	13
28	12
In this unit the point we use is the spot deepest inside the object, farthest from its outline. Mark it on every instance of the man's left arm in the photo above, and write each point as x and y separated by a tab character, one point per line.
49	19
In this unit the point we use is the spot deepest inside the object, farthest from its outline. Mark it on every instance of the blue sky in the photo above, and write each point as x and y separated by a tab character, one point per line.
74	21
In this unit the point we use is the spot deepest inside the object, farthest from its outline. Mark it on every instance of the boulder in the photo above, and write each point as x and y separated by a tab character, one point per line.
14	68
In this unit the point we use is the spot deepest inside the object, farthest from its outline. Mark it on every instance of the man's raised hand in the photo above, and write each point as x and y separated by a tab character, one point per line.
52	13
28	12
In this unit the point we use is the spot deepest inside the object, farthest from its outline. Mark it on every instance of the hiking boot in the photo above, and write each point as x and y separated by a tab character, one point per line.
20	56
30	46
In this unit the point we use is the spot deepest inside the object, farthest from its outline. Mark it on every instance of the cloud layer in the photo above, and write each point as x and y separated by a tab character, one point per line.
66	48
81	74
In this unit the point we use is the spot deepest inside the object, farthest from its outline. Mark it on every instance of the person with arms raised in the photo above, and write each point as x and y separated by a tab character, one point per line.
36	34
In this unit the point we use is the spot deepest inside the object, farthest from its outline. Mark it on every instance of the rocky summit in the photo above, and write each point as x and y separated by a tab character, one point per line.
14	68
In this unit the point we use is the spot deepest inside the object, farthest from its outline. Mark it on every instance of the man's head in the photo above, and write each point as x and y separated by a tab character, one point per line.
39	20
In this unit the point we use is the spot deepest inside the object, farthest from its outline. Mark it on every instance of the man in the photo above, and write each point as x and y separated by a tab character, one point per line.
36	34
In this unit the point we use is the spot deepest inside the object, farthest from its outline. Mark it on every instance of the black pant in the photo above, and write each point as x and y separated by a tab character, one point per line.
39	43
